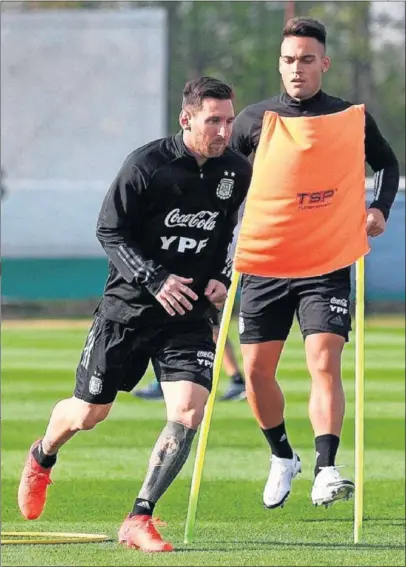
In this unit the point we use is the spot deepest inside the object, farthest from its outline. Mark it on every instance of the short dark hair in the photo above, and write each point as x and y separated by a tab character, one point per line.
197	90
305	27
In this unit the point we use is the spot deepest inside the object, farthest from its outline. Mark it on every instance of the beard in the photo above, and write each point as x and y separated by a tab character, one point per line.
216	149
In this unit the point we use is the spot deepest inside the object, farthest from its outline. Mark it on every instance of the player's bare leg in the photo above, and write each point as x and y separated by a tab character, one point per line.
68	417
267	402
264	394
326	411
185	403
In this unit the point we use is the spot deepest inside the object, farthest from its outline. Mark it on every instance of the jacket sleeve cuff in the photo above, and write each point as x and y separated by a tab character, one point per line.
381	207
155	285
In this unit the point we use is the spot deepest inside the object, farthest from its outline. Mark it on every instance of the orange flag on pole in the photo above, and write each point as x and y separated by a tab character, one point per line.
305	213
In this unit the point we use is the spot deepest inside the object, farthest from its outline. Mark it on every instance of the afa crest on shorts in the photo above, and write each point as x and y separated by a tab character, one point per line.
225	187
95	384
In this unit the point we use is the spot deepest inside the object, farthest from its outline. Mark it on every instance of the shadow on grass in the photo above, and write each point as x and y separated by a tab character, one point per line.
389	521
227	546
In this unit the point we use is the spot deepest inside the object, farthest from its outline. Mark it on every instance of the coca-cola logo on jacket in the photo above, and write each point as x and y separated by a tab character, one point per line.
205	220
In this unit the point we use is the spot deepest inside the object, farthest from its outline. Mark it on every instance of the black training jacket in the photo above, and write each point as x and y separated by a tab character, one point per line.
164	215
378	153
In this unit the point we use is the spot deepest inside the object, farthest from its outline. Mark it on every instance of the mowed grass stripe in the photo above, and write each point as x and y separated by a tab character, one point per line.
36	377
21	336
225	534
23	349
384	387
29	410
220	464
222	526
293	350
232	526
54	364
68	343
102	503
229	433
64	359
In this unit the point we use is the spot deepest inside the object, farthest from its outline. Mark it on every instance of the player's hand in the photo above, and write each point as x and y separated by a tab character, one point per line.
174	294
216	292
376	223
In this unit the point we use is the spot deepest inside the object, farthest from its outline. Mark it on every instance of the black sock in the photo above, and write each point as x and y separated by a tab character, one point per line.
45	461
326	451
237	378
142	507
278	441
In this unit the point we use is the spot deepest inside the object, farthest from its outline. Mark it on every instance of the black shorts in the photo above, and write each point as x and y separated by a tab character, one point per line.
115	356
214	316
268	306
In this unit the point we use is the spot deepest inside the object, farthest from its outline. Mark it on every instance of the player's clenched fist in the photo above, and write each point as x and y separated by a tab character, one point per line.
174	294
216	292
375	222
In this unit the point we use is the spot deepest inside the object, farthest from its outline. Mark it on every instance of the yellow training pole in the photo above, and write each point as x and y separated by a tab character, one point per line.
359	397
205	426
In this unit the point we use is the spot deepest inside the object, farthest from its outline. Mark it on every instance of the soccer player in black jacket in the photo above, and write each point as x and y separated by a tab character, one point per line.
166	225
268	305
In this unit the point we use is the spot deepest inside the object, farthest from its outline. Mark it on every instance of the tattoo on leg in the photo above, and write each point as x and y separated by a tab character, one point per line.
168	457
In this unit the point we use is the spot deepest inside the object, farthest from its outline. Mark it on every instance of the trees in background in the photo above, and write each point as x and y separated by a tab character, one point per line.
239	43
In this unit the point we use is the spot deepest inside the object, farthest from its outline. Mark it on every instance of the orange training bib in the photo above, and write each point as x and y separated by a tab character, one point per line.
305	213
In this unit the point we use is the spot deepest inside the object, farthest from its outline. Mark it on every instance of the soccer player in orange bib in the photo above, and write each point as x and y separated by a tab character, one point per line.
305	224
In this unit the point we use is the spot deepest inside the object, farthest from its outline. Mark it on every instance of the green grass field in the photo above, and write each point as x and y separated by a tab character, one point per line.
100	472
